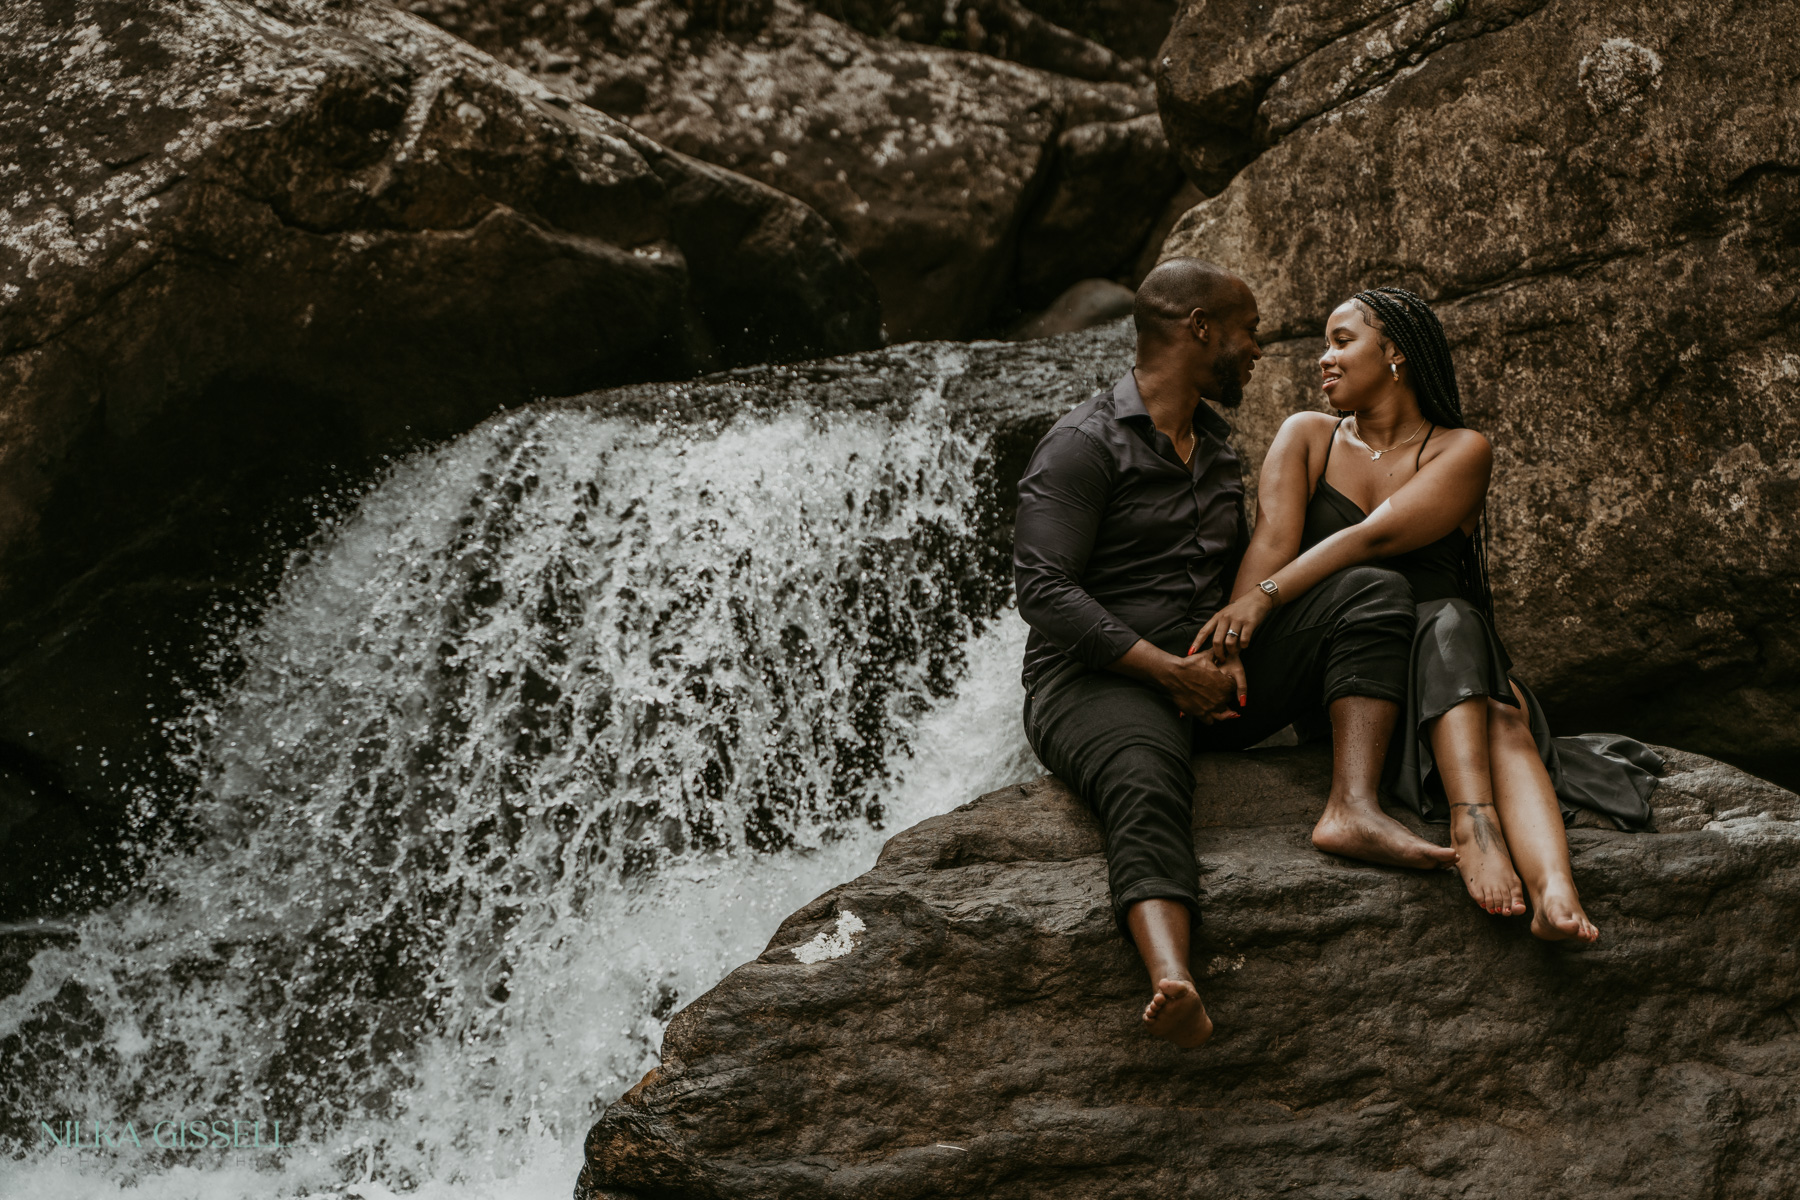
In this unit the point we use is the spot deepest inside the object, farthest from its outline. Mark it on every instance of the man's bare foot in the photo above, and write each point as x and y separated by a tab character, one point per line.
1358	832
1175	1014
1559	917
1483	859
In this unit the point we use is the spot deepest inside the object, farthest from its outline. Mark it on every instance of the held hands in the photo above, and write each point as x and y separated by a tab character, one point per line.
1204	682
1230	632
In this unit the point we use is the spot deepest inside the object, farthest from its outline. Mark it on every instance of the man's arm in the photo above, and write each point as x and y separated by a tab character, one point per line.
1196	683
1062	499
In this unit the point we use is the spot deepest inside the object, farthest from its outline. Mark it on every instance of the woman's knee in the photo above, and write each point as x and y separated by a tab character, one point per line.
1373	587
1508	723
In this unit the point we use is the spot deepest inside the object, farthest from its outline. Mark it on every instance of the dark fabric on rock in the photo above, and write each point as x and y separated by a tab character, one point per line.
1123	748
1456	656
1116	538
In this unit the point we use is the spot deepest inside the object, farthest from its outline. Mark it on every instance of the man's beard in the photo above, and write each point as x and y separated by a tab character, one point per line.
1228	369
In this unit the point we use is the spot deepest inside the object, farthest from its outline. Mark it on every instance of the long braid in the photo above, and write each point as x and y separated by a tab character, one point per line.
1409	322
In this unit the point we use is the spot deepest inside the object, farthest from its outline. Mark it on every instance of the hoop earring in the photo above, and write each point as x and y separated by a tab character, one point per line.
1395	368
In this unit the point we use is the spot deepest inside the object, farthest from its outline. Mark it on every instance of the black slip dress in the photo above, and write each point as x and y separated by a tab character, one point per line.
1456	656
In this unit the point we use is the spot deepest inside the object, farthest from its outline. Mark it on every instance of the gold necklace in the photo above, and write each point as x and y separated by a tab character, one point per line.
1375	454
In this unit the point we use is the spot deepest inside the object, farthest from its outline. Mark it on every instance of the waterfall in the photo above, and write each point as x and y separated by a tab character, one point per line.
531	748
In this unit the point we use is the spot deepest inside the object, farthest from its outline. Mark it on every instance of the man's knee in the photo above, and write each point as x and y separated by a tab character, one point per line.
1145	784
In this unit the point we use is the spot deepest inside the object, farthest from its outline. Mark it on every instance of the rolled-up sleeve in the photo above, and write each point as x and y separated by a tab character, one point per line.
1062	498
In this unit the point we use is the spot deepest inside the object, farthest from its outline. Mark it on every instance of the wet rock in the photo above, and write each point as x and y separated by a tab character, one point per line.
243	247
971	187
1604	204
963	1020
1090	302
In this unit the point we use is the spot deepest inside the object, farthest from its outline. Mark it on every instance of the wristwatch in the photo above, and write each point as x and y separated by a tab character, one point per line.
1271	589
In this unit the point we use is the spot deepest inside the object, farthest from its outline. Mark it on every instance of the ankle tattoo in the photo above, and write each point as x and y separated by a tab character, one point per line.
1487	834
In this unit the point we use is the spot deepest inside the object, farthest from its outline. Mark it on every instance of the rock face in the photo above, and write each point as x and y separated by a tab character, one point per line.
241	244
1604	204
971	187
961	1021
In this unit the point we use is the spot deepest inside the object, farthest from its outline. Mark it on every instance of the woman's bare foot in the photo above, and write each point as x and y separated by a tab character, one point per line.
1175	1014
1486	867
1559	917
1362	830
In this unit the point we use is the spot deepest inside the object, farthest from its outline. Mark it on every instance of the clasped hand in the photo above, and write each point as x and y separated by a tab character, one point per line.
1203	682
1221	640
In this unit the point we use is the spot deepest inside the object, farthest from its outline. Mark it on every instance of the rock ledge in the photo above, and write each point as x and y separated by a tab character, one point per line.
960	1020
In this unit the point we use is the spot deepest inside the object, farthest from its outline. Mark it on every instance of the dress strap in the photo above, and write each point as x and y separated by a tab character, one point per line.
1329	446
1422	445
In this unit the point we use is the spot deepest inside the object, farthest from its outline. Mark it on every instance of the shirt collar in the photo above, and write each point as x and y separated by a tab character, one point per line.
1128	403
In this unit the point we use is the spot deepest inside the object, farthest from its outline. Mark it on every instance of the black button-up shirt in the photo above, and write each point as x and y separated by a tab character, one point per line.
1116	538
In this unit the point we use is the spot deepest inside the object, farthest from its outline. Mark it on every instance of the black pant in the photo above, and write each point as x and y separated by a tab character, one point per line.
1122	746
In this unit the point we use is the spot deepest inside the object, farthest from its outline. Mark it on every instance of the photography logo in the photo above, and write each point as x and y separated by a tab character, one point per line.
184	1134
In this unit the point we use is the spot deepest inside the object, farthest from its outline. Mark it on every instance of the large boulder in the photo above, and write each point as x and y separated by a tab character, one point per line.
963	1020
971	186
245	250
1604	204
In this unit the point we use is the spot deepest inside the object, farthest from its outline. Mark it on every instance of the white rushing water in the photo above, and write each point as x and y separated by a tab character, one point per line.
530	750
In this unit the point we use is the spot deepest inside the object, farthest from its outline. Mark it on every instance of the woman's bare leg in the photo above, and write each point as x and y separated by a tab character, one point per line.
1532	819
1459	742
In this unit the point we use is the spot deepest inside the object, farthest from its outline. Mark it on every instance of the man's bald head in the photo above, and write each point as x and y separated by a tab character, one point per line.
1198	321
1175	288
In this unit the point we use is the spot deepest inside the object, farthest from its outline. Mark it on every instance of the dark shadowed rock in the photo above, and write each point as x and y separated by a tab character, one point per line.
970	186
963	1020
1089	303
1083	39
242	246
1604	203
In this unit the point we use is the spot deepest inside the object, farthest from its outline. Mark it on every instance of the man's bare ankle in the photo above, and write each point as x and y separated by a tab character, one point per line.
1351	804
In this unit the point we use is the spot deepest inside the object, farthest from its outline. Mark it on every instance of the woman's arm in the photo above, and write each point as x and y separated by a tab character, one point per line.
1441	497
1281	496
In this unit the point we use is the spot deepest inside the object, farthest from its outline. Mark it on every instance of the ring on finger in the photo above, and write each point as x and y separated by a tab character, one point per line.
1231	633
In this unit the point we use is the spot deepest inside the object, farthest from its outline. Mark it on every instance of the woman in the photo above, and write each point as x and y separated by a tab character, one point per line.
1397	478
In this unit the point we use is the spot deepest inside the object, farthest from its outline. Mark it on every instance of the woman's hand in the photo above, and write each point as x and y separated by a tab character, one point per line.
1230	632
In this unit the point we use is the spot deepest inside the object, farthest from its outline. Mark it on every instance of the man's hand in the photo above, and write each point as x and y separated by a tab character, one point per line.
1202	686
1198	684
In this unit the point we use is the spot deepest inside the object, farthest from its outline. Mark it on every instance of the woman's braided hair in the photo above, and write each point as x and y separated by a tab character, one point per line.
1406	320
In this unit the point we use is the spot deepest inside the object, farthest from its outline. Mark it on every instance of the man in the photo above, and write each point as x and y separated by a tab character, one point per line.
1131	524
